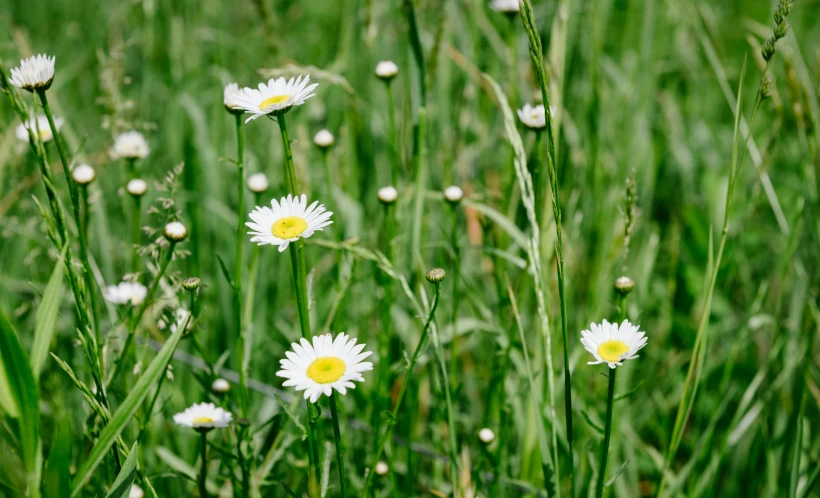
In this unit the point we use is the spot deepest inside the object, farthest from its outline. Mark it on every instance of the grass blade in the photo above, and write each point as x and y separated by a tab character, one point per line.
122	484
46	319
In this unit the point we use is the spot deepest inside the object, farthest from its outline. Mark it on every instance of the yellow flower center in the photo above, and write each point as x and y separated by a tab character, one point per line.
272	101
289	227
326	370
612	350
203	420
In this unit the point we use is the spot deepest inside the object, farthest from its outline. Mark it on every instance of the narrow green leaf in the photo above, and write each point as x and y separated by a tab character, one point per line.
57	478
122	484
502	221
126	410
617	473
46	319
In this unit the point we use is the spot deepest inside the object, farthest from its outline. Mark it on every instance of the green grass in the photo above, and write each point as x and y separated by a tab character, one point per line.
724	397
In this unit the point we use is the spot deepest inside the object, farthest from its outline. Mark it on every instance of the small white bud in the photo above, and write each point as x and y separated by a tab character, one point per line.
137	187
387	70
137	369
136	492
220	386
83	174
324	139
175	231
381	468
486	435
453	194
388	195
258	183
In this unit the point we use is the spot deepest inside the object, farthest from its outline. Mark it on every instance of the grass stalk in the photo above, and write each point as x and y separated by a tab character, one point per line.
340	449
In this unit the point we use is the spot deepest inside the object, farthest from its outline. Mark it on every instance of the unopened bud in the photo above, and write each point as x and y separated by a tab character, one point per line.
435	275
486	435
175	231
388	195
381	468
191	283
137	187
220	386
624	285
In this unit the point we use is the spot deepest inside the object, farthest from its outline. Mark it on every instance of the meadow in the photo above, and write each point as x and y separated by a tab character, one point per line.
409	248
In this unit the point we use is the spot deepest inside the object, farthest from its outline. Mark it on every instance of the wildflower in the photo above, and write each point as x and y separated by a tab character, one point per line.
258	183
435	275
386	70
191	283
136	492
388	195
203	417
533	117
125	293
509	7
453	194
230	98
131	145
276	97
83	174
137	187
287	221
325	365
324	139
486	435
612	344
40	127
175	231
624	285
220	386
381	468
34	73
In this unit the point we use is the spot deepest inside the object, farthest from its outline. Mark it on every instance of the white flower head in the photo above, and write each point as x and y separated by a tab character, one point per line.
40	127
533	117
386	70
258	183
203	416
136	492
486	435
381	468
324	365
388	194
324	139
453	194
132	293
131	145
175	231
276	97
613	344
137	187
220	386
230	96
34	73
509	7
83	174
287	221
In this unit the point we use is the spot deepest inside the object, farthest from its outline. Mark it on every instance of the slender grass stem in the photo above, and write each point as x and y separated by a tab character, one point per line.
237	285
394	138
135	233
340	449
290	171
454	312
203	472
382	394
408	371
610	397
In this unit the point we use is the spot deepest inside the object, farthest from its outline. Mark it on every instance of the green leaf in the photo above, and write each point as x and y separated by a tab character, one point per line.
46	319
57	478
617	473
122	485
126	410
502	221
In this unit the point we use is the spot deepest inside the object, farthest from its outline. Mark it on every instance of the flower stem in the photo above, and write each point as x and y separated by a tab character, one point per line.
394	139
340	449
290	171
237	286
610	397
203	473
407	373
454	314
135	234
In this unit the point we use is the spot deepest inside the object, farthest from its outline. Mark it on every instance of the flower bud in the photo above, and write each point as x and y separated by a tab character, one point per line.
175	231
624	285
381	468
258	183
137	187
191	283
435	275
220	386
486	435
453	194
386	70
83	174
388	195
324	139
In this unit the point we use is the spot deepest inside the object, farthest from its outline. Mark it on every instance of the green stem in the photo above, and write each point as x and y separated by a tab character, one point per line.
407	373
237	286
394	139
340	449
135	233
599	490
290	171
382	394
454	314
421	183
203	473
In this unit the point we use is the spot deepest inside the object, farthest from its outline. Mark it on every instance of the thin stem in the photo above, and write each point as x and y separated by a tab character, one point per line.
610	397
237	285
290	171
454	312
203	472
407	372
135	233
340	449
382	394
394	139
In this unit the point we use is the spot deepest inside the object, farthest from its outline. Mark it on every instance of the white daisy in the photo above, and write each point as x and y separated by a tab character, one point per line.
387	70
505	6
277	96
34	73
83	174
533	117
229	97
325	365
203	416
287	221
612	344
40	127
125	293
131	145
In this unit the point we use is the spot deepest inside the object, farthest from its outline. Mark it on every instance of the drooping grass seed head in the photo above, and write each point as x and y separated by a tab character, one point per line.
386	70
83	174
275	97
131	145
220	386
486	435
40	128
324	139
381	468
132	293
258	183
137	187
436	275
203	417
286	221
325	364
230	98
388	194
624	285
453	194
175	231
613	344
533	117
191	283
34	74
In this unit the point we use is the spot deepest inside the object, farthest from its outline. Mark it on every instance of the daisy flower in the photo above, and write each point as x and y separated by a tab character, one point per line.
203	416
287	221
131	145
612	344
277	96
533	117
40	127
34	73
325	365
505	6
125	293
